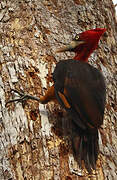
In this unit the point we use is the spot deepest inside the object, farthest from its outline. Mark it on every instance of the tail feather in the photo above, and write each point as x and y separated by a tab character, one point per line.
86	148
87	162
88	157
80	152
93	157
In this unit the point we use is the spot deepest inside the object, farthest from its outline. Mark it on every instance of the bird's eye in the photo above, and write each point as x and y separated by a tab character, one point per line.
76	37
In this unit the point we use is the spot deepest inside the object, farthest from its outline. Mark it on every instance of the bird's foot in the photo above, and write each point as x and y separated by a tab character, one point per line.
23	97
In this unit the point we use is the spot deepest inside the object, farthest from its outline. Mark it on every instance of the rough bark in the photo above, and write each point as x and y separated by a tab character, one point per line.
31	144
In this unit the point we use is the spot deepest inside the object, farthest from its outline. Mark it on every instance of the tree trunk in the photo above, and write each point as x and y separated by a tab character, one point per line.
32	145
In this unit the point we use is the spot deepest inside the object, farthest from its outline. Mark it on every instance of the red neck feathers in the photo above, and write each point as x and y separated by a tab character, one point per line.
91	38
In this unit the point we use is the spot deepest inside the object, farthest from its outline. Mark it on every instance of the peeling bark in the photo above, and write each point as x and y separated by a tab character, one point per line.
32	143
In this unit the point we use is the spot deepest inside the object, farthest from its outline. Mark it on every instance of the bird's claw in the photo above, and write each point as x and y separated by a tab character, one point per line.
23	97
18	92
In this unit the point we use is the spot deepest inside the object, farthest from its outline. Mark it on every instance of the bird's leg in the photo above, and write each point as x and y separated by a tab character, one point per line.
49	96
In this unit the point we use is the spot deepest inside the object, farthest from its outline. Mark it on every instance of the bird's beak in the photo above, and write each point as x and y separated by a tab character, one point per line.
70	47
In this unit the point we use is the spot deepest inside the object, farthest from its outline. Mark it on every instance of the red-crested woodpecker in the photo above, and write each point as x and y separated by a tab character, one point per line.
80	90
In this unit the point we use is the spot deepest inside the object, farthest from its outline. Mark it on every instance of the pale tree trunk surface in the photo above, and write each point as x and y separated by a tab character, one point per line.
31	145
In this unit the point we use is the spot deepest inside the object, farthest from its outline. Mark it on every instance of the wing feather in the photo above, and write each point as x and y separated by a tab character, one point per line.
83	87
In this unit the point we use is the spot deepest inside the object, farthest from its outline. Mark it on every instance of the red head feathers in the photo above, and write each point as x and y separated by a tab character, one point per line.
84	44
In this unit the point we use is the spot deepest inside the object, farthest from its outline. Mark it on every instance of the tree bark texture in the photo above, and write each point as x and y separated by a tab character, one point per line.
32	145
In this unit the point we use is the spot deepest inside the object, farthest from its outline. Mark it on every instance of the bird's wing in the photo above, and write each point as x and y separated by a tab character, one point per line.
84	98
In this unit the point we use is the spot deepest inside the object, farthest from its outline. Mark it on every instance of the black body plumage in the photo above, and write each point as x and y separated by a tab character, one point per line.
84	89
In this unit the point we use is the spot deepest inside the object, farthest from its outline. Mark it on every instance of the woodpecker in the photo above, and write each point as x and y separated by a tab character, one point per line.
80	89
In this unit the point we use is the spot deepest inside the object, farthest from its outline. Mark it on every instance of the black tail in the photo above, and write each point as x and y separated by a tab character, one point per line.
86	147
